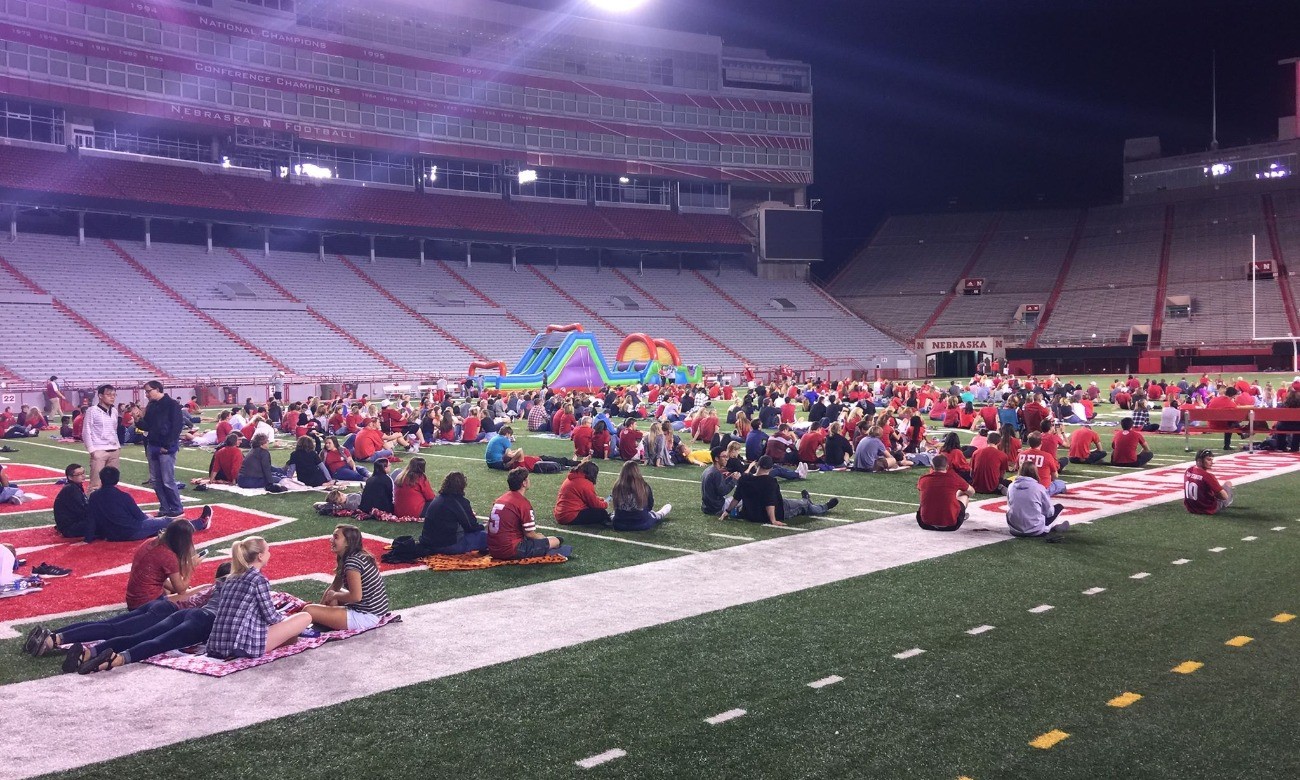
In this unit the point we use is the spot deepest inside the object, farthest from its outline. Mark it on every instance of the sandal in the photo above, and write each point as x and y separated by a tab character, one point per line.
75	658
38	642
104	659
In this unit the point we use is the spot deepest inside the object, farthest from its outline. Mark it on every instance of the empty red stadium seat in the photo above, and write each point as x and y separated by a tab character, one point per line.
52	171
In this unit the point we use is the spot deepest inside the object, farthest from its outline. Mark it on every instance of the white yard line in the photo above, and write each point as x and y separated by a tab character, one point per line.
76	450
733	536
825	681
906	654
631	598
601	758
977	630
570	532
1093	591
1041	608
723	717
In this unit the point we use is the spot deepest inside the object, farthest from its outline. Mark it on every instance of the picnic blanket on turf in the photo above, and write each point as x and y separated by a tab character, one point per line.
475	561
193	659
291	485
375	514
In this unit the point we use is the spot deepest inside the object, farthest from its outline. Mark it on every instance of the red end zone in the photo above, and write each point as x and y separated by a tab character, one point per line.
101	569
42	496
15	471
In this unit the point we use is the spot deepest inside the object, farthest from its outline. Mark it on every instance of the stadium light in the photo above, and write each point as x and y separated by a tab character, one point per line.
624	180
617	6
527	176
313	171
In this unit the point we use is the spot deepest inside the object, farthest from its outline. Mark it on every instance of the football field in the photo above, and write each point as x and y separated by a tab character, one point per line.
1150	643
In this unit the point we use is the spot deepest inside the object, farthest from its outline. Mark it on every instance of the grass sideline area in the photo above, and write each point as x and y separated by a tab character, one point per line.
968	706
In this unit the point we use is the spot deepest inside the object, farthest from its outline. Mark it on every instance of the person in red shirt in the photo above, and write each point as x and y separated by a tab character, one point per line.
582	435
600	437
369	443
988	467
391	418
706	429
1125	445
413	491
562	421
354	420
810	443
577	502
1226	401
1009	444
1085	446
162	565
512	527
1203	493
471	428
957	460
782	447
787	413
227	461
629	438
1053	440
1034	412
944	497
1046	464
223	425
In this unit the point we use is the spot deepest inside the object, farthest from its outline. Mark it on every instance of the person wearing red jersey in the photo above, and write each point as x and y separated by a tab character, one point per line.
1053	441
391	418
1203	493
1085	446
705	429
600	438
988	467
810	443
226	461
1125	446
629	439
1226	401
512	527
1034	412
369	445
353	421
787	413
944	497
782	447
582	435
1045	464
471	428
562	421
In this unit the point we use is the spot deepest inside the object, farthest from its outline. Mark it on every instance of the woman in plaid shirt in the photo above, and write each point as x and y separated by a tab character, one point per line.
247	624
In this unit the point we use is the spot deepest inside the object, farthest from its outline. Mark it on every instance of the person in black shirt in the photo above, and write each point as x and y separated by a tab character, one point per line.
308	468
70	508
762	502
380	490
837	449
450	527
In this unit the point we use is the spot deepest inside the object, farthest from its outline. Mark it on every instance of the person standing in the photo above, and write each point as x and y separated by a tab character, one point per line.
53	399
162	423
99	433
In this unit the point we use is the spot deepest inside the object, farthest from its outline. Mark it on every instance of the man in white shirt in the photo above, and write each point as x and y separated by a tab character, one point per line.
99	433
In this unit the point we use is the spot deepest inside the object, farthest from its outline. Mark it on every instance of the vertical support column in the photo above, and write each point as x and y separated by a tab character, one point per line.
148	233
468	260
422	253
514	258
640	264
320	248
372	250
81	228
600	257
557	258
208	227
266	242
13	223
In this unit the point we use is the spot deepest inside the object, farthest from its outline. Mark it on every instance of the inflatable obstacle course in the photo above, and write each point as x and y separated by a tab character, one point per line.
567	358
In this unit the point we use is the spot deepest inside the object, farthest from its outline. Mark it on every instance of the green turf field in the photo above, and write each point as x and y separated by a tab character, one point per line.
968	706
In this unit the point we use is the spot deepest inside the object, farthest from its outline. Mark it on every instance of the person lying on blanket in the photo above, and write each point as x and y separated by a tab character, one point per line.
246	623
501	457
164	624
356	599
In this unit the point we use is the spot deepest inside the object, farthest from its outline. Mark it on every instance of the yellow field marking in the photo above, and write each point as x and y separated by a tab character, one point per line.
1187	667
1283	617
1238	641
1048	740
1124	699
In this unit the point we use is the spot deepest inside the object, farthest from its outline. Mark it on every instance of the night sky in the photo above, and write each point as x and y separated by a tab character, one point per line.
1003	103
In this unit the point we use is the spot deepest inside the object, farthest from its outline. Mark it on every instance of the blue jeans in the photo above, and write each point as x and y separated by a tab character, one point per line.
1057	487
179	630
378	454
474	540
781	472
138	619
351	475
162	465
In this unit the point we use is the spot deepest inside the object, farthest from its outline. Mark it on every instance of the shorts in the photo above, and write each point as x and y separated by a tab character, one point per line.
497	465
360	621
533	548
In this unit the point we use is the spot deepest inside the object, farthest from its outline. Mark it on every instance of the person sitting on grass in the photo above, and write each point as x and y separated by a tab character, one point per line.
162	565
356	599
872	453
412	491
113	515
762	502
837	449
512	527
1085	446
339	463
988	467
577	502
1030	511
600	440
956	455
629	439
944	497
450	526
582	435
256	472
246	623
633	501
380	491
371	444
306	465
1203	493
1047	466
10	494
1124	446
717	485
226	462
155	627
71	511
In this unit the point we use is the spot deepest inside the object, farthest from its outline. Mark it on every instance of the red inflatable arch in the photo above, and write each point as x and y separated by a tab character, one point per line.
664	345
632	340
571	327
497	364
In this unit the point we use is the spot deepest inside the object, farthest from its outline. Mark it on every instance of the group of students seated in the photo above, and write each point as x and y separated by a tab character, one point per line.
234	618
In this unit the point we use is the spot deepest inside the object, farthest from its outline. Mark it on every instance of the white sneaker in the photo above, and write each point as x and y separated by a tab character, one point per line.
665	510
802	470
413	448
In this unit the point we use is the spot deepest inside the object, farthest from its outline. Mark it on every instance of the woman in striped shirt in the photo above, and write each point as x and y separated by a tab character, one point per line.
356	600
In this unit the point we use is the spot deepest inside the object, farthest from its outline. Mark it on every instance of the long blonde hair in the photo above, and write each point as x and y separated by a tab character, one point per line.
244	552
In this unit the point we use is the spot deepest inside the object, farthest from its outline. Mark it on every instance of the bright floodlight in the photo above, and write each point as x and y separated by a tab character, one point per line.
527	177
617	6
